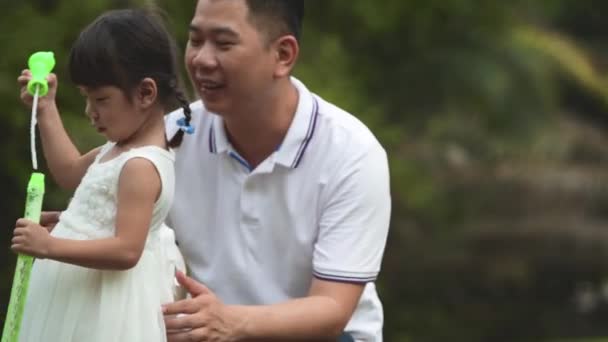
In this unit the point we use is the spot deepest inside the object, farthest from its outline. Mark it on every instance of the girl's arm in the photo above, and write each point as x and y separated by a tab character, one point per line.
65	162
138	189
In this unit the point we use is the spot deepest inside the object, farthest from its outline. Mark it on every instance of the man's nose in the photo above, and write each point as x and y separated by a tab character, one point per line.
205	57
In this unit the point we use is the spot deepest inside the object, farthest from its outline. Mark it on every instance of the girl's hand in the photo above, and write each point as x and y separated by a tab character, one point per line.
31	238
45	102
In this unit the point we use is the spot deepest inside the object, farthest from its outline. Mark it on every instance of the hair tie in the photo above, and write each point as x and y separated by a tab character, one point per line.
185	127
172	83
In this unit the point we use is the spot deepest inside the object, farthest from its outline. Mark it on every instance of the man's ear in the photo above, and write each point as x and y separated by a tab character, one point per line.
146	93
287	50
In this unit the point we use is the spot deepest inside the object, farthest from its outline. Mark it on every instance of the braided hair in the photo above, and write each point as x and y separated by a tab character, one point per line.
185	104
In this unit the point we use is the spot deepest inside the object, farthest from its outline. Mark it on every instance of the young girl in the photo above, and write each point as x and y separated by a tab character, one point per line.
101	274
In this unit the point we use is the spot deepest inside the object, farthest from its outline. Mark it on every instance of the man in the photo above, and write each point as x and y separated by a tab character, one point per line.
282	200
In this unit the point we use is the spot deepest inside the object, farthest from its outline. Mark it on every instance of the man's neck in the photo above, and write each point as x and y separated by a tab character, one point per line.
256	134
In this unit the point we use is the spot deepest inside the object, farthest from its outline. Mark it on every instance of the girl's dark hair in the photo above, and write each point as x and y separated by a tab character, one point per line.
121	48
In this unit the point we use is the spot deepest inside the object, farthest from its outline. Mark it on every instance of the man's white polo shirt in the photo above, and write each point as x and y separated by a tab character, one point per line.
317	207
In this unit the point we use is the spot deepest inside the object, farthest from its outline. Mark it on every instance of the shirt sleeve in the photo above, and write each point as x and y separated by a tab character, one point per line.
354	220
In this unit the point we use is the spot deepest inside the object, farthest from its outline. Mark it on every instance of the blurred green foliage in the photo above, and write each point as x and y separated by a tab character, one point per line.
494	115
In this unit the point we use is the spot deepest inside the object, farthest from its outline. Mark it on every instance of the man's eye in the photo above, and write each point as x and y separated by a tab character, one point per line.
195	42
224	44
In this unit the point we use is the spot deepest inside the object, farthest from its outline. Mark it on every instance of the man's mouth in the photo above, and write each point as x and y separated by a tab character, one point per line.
208	85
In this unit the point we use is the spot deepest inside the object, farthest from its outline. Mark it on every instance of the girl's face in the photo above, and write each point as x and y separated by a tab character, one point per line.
112	112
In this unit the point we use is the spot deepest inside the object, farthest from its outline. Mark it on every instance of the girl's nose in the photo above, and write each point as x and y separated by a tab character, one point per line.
91	114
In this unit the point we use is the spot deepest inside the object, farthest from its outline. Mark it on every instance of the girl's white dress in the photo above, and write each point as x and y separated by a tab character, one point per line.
68	303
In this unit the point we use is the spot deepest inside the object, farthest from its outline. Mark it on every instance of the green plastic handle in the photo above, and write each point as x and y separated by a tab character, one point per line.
21	279
35	193
40	63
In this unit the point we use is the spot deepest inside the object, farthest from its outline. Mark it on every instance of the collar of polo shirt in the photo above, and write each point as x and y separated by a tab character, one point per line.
301	130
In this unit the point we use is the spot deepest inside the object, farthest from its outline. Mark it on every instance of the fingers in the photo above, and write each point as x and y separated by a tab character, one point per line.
18	239
21	231
187	336
182	323
26	76
22	235
25	96
22	80
184	306
49	217
52	80
192	286
23	222
18	248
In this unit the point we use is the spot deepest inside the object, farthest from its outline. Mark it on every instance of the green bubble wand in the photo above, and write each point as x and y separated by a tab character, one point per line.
40	64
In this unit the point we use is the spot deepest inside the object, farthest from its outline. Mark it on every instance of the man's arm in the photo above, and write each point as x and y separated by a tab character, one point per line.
321	316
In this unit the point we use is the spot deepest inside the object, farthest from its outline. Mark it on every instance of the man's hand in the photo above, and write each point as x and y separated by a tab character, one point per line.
31	238
200	318
48	219
320	316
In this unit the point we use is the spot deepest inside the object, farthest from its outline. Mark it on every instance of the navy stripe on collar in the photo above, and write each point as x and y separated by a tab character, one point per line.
299	155
311	131
212	146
